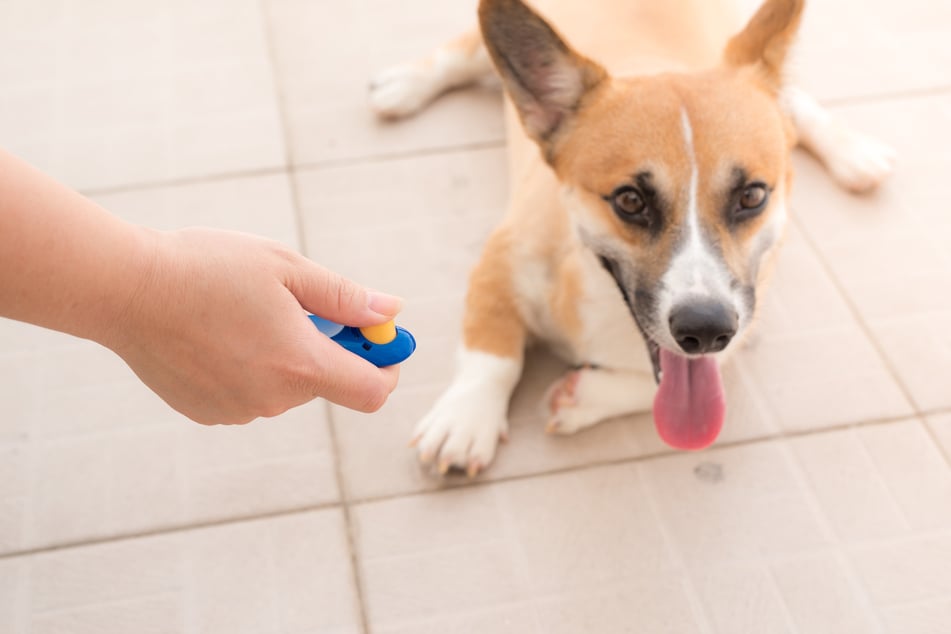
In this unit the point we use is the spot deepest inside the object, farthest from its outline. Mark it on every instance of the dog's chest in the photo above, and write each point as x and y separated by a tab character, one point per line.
610	337
607	337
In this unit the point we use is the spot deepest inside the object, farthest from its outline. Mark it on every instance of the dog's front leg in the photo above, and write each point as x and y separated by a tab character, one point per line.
590	395
464	426
857	161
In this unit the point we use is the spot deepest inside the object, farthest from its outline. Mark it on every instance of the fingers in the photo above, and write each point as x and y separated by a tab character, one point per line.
332	296
352	382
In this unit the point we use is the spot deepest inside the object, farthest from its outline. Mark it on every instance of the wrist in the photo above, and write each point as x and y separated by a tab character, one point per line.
119	318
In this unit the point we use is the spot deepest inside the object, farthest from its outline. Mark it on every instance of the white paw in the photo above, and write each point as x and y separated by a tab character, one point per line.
403	90
461	431
587	396
858	162
565	413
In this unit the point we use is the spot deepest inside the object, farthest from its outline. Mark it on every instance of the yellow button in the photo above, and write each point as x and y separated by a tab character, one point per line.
384	333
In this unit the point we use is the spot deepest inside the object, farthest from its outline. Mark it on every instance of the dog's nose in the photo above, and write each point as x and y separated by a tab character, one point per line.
703	326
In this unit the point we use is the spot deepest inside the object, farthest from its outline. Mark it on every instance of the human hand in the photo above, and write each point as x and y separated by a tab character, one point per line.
218	329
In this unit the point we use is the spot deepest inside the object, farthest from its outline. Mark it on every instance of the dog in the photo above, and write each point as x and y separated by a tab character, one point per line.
650	177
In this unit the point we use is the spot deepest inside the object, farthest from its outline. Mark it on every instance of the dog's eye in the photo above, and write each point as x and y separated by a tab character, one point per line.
629	204
753	196
752	200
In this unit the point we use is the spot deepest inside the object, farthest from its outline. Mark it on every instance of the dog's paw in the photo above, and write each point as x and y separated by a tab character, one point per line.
460	433
588	396
403	90
565	415
858	162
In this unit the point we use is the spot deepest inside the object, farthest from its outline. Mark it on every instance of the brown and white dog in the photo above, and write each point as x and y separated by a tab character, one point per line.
649	215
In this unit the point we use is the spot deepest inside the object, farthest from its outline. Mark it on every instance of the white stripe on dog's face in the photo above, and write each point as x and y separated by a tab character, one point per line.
697	270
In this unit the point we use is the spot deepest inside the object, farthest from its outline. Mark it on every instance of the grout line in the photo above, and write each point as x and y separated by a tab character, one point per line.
168	530
387	157
179	182
347	502
293	183
889	366
291	167
839	541
945	452
280	98
461	483
857	315
880	97
697	605
358	584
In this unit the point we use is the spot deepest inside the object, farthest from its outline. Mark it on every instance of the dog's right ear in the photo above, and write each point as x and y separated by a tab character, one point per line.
766	40
543	76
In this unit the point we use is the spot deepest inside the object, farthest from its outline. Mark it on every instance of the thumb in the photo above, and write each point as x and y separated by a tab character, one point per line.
334	297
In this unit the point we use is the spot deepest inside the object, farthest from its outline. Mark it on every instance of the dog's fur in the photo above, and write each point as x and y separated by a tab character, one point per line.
661	183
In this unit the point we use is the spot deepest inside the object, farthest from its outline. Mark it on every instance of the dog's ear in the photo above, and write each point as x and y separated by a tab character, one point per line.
766	40
545	79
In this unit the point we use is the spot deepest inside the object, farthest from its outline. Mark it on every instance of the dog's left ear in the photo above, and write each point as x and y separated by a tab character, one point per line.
766	40
543	76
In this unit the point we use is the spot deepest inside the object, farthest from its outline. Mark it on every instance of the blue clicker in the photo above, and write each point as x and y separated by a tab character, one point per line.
383	345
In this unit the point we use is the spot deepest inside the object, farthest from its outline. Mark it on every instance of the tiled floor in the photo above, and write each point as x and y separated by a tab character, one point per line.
824	507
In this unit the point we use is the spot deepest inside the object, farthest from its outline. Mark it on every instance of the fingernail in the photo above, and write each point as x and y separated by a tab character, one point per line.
384	304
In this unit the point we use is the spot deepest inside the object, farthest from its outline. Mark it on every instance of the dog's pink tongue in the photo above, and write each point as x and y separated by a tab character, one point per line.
689	406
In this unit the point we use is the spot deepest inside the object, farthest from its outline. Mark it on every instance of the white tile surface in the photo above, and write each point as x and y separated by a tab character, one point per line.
741	539
284	574
262	205
93	453
835	531
111	93
327	53
537	542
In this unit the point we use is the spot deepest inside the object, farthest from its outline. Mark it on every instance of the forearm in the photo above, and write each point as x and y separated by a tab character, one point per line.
214	322
65	263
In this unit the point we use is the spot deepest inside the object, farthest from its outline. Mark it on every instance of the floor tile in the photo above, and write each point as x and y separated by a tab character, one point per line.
808	352
797	284
97	454
138	92
919	348
742	598
940	427
910	569
841	530
262	205
536	542
659	603
737	539
885	48
919	618
749	501
193	581
823	597
439	208
824	378
850	487
878	481
326	55
508	619
167	472
888	250
916	471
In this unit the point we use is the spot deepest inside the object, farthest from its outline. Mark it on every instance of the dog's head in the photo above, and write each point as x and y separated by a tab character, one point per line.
677	182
